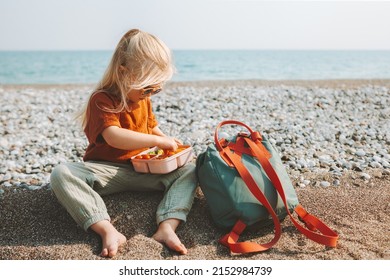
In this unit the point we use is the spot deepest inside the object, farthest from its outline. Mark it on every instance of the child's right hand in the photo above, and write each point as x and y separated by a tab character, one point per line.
167	143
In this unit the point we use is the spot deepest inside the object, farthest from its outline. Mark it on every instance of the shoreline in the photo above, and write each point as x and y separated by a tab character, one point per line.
201	83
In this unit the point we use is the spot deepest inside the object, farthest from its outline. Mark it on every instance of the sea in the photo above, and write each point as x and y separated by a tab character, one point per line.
86	67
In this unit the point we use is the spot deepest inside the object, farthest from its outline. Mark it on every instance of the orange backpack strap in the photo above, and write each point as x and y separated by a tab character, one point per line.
230	239
316	230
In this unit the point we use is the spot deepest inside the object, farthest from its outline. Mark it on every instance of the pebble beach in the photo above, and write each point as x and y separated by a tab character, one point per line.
315	129
332	136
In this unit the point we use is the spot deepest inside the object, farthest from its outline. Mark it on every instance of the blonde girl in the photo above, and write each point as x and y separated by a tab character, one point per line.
119	122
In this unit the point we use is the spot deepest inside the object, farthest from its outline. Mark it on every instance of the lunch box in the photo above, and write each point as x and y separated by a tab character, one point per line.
158	163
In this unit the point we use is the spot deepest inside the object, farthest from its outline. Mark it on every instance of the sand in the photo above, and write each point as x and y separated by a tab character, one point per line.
35	226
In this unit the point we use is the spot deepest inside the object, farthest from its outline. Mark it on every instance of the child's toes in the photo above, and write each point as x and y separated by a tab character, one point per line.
104	252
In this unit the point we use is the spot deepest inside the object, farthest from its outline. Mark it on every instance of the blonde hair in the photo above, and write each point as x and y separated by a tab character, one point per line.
140	59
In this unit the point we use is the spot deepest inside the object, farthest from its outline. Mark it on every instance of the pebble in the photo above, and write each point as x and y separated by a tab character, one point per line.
377	173
6	177
360	153
338	136
306	182
7	184
375	164
324	184
365	176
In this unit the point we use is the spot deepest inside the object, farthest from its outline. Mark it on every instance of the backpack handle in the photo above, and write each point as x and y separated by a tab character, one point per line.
253	134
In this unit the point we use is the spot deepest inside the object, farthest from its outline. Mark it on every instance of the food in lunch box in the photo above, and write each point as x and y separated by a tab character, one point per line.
160	153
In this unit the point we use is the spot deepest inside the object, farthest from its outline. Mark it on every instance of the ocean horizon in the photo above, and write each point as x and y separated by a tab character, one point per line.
86	67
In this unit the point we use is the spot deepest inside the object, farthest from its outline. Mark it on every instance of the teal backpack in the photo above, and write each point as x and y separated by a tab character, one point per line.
245	183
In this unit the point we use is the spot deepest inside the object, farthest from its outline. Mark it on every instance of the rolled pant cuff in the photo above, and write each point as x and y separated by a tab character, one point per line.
94	219
175	215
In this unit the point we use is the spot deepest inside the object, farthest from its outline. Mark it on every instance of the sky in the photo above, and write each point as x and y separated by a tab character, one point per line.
196	24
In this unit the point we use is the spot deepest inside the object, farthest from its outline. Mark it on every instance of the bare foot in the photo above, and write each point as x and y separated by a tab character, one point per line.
111	238
166	234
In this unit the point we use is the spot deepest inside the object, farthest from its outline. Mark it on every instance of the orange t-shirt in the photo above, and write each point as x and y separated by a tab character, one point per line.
140	119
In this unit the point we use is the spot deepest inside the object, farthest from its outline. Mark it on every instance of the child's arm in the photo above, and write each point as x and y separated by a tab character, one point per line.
156	131
125	139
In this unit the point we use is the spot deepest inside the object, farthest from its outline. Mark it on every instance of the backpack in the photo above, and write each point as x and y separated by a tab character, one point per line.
245	183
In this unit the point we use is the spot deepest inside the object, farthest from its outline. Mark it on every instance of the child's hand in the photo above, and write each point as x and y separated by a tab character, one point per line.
167	143
178	142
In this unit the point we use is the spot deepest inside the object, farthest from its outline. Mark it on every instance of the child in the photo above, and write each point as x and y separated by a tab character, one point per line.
119	123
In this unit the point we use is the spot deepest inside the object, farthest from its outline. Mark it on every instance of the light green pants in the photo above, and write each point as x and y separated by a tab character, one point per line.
79	187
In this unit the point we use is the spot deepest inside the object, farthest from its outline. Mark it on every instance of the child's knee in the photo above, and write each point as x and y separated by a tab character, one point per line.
58	175
189	168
